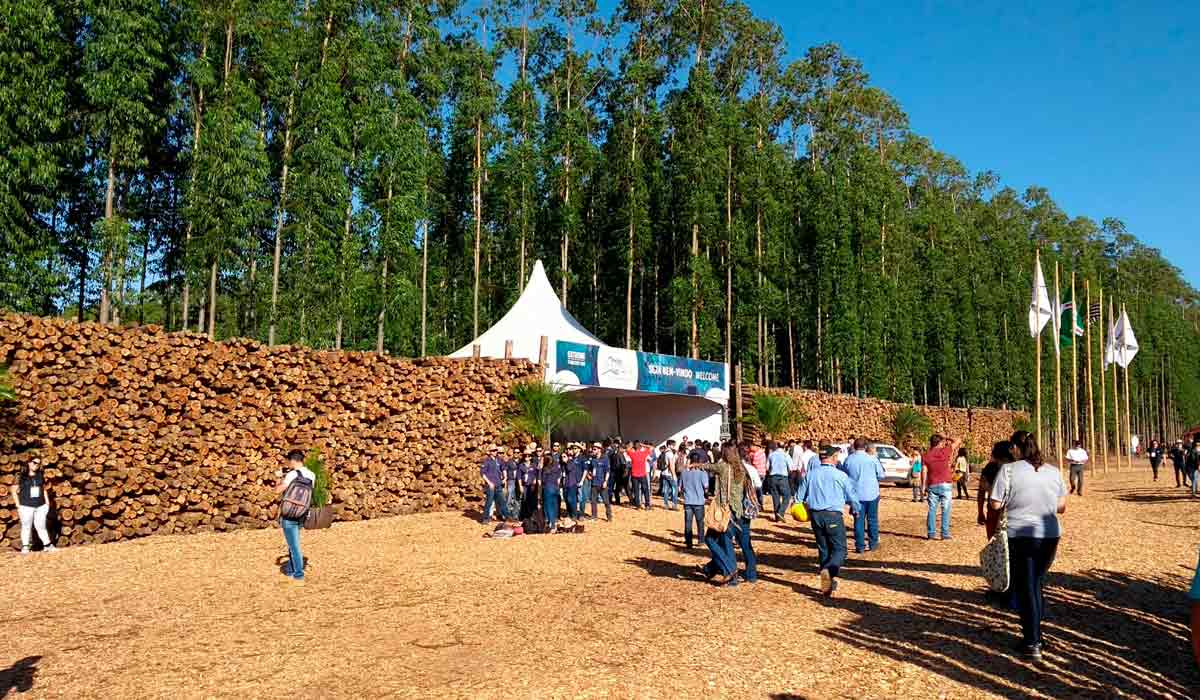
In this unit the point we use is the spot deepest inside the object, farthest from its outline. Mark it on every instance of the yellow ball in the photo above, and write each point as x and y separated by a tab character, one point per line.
799	512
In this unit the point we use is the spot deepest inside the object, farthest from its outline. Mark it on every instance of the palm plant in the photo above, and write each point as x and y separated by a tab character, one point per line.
6	389
540	409
1022	422
775	414
316	464
910	426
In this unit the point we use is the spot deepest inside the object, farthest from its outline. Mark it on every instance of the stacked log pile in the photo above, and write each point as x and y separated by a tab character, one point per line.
834	417
143	431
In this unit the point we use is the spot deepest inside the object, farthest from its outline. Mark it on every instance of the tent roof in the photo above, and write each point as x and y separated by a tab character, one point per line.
538	312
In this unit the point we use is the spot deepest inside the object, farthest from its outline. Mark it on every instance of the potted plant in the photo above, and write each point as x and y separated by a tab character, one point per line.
910	428
320	514
539	409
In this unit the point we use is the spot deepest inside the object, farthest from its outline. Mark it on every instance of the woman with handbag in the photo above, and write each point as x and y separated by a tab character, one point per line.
718	520
1032	495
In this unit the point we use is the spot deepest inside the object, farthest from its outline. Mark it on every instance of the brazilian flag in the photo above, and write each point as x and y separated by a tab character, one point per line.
1068	325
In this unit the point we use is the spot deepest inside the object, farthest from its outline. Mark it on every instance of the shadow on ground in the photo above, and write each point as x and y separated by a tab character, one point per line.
20	676
1107	633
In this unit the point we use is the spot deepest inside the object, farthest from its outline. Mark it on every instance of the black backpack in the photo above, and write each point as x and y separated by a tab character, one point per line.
297	499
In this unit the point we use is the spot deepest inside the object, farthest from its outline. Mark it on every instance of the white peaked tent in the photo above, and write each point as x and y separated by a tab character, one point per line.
615	409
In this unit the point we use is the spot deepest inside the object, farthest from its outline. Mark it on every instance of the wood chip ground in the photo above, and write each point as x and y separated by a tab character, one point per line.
424	606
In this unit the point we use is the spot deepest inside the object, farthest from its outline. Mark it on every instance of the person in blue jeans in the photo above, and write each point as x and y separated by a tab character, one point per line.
291	528
865	471
551	492
599	478
668	481
938	480
826	492
572	478
693	483
492	472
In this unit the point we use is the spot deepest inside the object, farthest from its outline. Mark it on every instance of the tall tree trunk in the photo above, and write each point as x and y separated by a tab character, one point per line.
478	197
424	283
109	193
729	254
280	212
212	300
142	281
345	243
695	337
382	307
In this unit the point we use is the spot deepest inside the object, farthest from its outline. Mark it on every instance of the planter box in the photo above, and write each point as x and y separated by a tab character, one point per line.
319	518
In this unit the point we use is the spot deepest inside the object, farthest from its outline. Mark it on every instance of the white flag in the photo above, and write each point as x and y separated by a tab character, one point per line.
1125	345
1040	310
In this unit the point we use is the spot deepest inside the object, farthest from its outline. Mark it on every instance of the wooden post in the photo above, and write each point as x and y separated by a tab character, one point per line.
508	349
1091	406
1058	421
1128	422
475	350
737	400
543	350
1103	388
1116	391
1037	354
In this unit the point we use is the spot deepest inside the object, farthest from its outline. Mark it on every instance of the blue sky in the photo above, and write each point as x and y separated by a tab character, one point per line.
1097	102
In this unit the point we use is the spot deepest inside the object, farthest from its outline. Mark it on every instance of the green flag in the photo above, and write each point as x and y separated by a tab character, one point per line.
1068	325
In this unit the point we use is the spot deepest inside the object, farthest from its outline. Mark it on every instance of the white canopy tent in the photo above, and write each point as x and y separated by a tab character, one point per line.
619	408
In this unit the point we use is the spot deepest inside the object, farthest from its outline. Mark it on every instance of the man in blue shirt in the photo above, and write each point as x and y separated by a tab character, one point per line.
826	492
599	478
778	465
492	472
512	460
574	475
865	471
693	482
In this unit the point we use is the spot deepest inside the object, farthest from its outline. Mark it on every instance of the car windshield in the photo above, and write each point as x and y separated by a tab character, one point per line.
886	452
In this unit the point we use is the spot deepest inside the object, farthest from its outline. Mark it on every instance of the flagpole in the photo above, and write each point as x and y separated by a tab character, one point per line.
1103	387
1038	354
1116	387
1128	423
1058	421
1087	336
1076	424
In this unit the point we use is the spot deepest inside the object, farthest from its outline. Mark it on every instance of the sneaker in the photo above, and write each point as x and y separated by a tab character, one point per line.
50	548
1033	652
26	550
826	582
833	584
946	538
295	581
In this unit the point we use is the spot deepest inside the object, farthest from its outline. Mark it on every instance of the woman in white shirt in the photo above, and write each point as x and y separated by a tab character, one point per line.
1032	495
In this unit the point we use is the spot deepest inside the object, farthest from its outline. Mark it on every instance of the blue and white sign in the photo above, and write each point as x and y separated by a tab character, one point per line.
617	368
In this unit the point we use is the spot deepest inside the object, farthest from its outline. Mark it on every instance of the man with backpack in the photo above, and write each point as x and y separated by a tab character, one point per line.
296	488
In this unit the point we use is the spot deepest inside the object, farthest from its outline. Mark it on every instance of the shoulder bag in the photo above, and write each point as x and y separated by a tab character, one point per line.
716	515
994	559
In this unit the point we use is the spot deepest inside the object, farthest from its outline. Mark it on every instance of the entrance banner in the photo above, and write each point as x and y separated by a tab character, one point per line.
617	368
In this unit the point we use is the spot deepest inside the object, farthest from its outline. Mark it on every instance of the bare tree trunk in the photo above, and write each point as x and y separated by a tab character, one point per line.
695	337
478	197
109	193
142	281
382	308
212	301
279	216
729	254
424	284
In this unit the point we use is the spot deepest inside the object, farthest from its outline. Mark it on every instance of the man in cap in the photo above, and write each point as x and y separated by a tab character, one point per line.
826	492
598	477
492	472
512	460
575	468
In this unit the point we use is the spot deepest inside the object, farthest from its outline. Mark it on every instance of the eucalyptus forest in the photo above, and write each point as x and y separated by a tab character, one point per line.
383	174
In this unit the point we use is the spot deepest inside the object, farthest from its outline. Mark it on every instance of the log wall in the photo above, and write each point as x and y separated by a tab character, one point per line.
834	417
143	431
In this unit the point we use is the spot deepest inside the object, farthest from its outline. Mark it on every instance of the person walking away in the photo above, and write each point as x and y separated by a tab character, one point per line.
31	495
936	482
669	478
492	472
693	483
295	487
639	471
1178	456
1003	452
720	544
1077	459
599	478
1192	465
1155	454
743	503
802	455
758	458
778	467
572	479
962	473
914	475
826	492
864	471
1033	495
552	492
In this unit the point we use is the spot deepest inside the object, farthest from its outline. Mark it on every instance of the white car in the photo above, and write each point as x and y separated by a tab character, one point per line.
896	466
